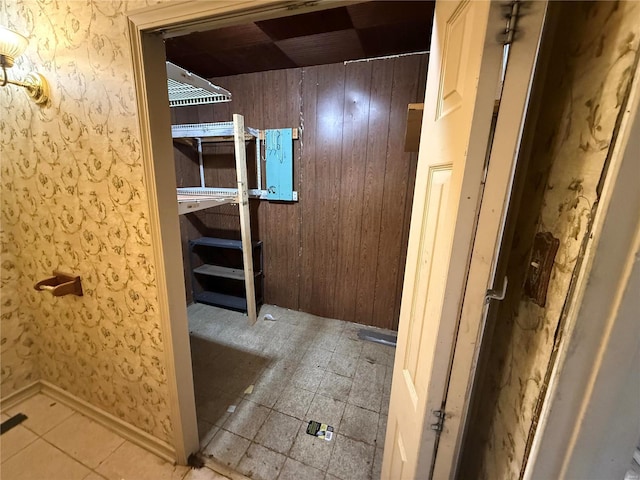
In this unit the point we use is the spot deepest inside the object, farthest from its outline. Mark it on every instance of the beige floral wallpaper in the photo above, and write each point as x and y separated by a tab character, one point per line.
73	199
592	68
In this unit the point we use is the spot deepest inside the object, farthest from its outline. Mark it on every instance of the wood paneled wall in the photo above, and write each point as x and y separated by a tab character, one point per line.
340	250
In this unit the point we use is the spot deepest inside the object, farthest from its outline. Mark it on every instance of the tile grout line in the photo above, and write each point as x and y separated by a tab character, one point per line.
32	441
73	457
344	332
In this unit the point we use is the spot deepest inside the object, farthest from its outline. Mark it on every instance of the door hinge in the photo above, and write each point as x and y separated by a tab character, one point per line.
495	294
439	424
512	10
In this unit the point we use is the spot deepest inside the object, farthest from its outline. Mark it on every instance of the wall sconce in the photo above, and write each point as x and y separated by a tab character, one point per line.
12	45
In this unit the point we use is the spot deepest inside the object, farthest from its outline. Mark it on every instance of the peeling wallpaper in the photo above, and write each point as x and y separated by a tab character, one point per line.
73	199
592	67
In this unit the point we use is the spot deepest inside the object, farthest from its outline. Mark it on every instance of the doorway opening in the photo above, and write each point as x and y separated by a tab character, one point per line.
326	265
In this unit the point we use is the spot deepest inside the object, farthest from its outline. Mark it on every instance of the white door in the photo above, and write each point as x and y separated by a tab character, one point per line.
462	84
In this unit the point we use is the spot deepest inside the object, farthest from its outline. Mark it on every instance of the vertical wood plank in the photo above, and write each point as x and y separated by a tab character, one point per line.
411	180
273	252
374	166
254	111
218	112
290	212
354	150
307	187
219	171
187	175
405	78
281	107
329	126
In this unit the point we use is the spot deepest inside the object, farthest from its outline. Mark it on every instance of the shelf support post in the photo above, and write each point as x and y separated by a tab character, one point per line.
201	162
243	206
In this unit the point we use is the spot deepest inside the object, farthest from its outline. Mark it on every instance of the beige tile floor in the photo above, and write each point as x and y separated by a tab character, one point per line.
58	443
302	368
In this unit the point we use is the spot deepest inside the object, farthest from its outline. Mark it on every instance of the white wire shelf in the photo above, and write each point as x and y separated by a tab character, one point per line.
186	88
192	203
219	131
219	193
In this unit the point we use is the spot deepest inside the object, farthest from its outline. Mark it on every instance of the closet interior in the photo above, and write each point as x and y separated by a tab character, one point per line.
295	154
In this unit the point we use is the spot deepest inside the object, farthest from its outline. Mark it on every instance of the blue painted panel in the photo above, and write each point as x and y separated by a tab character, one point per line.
279	162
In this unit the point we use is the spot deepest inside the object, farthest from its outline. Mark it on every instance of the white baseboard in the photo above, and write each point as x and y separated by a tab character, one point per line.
20	395
125	430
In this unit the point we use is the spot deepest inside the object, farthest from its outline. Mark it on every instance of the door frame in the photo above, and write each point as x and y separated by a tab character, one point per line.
589	423
147	28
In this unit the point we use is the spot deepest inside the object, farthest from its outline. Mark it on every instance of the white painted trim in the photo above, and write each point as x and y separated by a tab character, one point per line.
113	423
20	396
583	372
186	16
107	420
159	174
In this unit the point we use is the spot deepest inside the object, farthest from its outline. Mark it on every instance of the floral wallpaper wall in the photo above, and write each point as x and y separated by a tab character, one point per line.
591	69
73	199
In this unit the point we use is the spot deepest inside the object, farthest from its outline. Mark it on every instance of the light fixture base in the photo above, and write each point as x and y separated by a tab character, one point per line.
37	88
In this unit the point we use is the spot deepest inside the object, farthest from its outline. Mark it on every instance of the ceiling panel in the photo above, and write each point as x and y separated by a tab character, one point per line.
322	48
256	59
307	24
357	31
393	39
237	36
178	46
202	64
373	14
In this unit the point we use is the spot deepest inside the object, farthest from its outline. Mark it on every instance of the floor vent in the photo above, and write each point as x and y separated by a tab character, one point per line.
377	337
